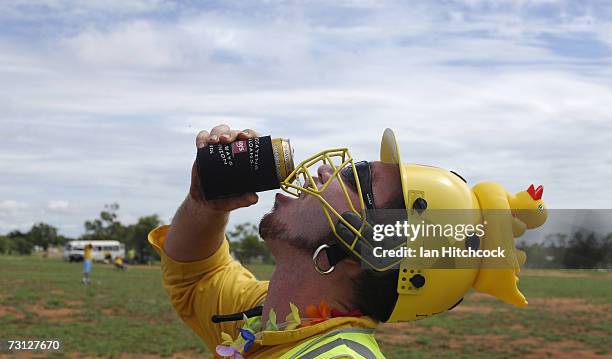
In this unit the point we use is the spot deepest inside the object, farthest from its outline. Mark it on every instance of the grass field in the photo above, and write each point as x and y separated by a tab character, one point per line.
127	314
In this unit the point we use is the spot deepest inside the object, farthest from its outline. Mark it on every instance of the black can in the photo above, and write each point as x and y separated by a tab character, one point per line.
253	165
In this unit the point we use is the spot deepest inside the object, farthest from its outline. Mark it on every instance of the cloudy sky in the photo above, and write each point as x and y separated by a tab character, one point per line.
100	100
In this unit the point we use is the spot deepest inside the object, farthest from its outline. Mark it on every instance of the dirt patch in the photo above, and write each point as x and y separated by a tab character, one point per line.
532	348
552	273
491	342
553	304
6	311
38	355
11	281
185	354
529	342
565	305
563	274
55	315
569	349
517	328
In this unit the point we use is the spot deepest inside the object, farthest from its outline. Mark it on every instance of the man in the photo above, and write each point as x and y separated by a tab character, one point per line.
87	262
330	302
119	264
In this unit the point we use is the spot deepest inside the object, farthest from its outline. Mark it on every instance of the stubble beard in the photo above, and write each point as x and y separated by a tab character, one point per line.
272	229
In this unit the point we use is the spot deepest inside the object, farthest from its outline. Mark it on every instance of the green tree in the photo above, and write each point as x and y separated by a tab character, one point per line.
137	237
246	244
107	227
20	243
6	245
134	236
43	235
585	251
61	240
607	249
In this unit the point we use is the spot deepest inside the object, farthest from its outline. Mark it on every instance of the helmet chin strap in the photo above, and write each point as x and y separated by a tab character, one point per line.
335	254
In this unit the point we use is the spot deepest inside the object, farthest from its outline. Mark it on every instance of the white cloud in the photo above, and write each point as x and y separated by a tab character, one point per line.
40	10
57	205
12	206
138	43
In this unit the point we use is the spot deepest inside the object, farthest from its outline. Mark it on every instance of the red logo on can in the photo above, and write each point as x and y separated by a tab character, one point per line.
239	147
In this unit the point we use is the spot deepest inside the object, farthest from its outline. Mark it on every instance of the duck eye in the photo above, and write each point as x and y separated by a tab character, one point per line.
540	207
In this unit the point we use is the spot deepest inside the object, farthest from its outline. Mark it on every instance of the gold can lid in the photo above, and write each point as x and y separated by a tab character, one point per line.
283	157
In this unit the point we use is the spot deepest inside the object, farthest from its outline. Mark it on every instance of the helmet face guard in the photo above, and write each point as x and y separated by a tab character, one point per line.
301	180
352	228
341	162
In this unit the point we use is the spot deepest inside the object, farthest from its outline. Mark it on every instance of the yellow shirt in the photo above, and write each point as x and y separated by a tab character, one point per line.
221	285
88	253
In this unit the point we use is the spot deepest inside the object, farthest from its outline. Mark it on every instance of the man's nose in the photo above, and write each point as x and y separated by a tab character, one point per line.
325	172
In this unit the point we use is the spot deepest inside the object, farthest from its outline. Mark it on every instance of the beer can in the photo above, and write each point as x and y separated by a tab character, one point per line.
253	165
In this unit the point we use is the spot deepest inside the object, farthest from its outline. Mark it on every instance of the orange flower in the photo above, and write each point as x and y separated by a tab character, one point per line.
317	315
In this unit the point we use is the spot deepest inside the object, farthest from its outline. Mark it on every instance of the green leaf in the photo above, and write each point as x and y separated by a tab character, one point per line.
293	318
253	324
271	323
227	339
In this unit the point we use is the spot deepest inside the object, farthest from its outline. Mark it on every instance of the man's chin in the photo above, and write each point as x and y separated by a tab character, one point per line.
268	226
272	230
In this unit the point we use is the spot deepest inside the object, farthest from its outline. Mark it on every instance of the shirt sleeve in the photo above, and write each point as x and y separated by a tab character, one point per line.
215	285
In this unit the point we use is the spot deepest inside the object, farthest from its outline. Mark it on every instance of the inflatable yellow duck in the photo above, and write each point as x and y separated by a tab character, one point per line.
506	217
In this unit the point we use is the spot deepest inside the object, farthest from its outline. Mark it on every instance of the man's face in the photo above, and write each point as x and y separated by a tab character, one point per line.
302	221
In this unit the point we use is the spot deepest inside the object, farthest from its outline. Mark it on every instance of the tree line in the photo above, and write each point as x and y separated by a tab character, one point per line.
105	227
245	243
580	250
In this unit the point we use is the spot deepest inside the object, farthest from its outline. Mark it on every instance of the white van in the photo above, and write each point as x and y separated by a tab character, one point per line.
73	250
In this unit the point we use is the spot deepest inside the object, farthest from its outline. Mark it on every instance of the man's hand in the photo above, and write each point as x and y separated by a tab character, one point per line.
198	227
224	135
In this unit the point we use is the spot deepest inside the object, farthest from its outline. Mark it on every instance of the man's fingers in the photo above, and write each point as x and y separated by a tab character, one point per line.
219	130
202	139
228	136
251	132
223	134
231	204
246	134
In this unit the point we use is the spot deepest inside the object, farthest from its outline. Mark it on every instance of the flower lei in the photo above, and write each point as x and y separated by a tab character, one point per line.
252	327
